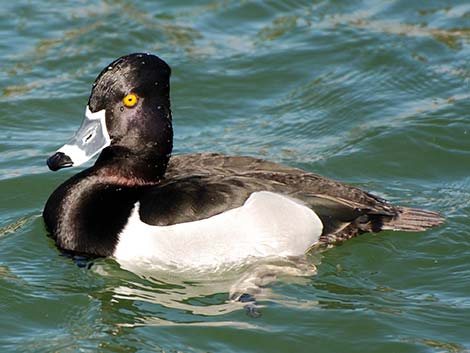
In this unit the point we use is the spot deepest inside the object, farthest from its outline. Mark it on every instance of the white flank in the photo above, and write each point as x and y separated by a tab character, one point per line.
268	224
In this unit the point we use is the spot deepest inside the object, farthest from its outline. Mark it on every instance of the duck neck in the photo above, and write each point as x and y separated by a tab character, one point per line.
121	166
127	169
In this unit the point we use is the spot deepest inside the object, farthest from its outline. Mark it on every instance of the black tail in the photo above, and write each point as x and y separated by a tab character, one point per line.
413	220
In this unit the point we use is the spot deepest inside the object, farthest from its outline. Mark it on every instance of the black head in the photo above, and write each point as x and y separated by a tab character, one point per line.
145	80
128	115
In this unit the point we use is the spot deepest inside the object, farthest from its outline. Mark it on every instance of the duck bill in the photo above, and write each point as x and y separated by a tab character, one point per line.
90	139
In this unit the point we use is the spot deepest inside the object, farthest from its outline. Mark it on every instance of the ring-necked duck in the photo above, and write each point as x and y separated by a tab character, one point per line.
198	210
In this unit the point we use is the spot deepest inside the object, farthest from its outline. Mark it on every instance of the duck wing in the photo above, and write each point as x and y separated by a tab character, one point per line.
198	186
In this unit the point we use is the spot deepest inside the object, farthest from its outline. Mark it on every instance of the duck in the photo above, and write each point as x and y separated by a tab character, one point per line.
139	204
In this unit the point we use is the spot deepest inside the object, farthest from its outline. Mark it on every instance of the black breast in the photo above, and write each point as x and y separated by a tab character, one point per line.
85	215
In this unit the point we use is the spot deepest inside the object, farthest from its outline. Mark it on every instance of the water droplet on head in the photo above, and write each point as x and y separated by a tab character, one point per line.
110	67
143	62
156	83
159	107
121	109
139	56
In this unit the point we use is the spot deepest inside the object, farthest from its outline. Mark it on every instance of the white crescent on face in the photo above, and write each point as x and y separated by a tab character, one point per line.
268	224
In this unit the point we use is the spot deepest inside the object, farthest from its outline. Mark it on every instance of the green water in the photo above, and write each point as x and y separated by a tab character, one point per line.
374	93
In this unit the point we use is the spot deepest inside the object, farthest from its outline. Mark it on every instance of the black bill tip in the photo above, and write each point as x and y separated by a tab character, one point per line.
58	161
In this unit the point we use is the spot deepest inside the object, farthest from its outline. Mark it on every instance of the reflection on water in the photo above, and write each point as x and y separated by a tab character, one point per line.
207	294
16	225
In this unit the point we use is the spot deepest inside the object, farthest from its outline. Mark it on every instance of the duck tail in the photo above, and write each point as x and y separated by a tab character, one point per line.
413	220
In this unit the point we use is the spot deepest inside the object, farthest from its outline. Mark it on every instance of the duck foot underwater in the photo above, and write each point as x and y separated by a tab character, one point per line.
204	210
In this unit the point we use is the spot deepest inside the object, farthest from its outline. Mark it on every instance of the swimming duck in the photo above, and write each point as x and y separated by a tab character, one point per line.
139	204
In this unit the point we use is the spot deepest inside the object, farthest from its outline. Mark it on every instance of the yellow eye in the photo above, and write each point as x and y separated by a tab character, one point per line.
130	100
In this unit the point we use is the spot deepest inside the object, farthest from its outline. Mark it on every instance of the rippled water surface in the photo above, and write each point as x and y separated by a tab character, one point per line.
373	93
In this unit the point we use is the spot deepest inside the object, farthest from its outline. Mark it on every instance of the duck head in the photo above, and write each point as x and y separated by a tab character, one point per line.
128	118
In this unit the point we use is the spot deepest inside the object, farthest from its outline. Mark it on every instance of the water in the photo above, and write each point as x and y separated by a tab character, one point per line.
374	93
